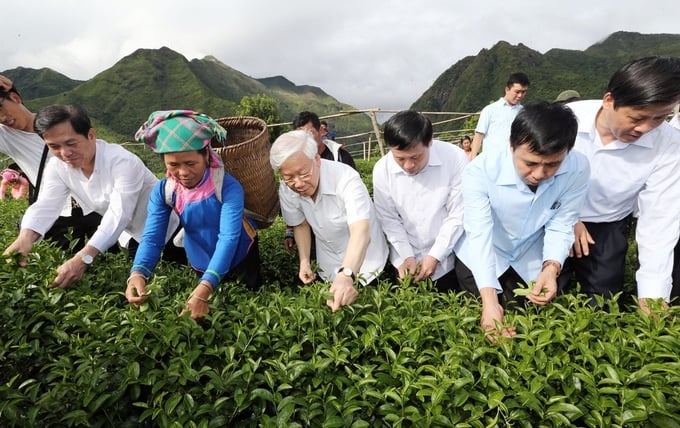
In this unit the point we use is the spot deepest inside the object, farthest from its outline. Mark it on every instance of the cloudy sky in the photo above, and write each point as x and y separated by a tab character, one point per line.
365	53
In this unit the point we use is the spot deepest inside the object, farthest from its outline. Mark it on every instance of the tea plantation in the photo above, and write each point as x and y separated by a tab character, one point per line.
403	355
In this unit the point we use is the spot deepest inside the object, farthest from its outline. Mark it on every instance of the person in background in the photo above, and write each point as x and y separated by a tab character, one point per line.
329	199
520	207
466	144
327	149
326	134
101	177
218	239
493	127
15	181
634	157
568	96
418	200
19	141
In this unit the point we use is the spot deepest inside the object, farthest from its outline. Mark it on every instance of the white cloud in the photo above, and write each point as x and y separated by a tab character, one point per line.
365	53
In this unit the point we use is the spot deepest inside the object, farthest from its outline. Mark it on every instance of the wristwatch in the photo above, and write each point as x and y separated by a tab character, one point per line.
347	272
86	258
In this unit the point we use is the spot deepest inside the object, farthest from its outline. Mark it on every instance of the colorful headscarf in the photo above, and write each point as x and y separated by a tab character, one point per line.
168	131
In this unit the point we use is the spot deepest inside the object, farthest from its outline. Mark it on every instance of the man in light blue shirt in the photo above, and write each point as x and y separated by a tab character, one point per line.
493	127
520	207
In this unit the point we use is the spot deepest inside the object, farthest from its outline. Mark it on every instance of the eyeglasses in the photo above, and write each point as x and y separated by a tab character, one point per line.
302	177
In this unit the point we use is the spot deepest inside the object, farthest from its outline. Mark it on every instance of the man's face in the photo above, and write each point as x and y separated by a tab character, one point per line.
301	174
76	150
515	93
628	124
13	113
412	160
534	168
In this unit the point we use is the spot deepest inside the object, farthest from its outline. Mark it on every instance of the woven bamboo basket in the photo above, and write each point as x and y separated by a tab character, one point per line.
246	157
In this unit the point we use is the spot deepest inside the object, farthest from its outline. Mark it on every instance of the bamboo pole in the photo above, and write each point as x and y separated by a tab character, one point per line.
376	130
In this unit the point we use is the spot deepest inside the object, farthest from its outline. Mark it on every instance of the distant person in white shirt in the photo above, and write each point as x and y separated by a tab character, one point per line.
635	162
418	199
328	198
493	127
101	177
521	205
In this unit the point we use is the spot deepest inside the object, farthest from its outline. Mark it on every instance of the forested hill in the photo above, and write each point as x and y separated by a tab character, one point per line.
473	82
121	97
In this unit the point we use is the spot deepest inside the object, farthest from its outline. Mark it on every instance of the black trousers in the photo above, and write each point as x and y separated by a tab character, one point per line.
248	270
508	282
445	283
78	226
676	272
602	271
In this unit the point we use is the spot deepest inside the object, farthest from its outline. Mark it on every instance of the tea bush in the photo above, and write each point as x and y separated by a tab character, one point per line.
403	355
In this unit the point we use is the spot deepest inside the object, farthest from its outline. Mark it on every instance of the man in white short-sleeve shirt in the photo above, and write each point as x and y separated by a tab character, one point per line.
329	199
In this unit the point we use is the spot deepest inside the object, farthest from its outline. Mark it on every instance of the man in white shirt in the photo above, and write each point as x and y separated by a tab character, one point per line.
493	127
521	205
635	162
102	177
330	199
19	141
418	199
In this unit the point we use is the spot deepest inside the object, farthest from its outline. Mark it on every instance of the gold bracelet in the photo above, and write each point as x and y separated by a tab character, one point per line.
205	284
552	263
199	298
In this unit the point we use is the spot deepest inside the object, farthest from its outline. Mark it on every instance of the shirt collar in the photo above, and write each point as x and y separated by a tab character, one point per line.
434	160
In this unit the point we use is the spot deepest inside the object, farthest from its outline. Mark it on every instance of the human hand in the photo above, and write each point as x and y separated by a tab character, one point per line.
289	245
427	267
492	316
652	306
582	240
407	268
5	83
135	291
307	275
71	271
198	301
343	291
20	246
545	287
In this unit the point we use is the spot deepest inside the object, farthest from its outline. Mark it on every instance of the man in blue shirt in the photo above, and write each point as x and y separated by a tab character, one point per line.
520	207
493	127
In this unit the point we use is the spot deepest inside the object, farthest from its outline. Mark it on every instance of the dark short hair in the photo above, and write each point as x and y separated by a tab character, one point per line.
519	78
56	114
5	94
465	137
407	129
304	117
547	128
644	82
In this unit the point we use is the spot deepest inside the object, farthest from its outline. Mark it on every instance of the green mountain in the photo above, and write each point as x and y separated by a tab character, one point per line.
120	98
40	83
475	81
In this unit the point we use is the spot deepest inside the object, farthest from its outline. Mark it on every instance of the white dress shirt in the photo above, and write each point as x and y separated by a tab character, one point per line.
341	200
422	214
495	122
118	189
25	148
641	177
506	224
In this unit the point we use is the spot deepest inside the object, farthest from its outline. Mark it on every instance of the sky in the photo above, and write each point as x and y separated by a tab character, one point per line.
369	54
